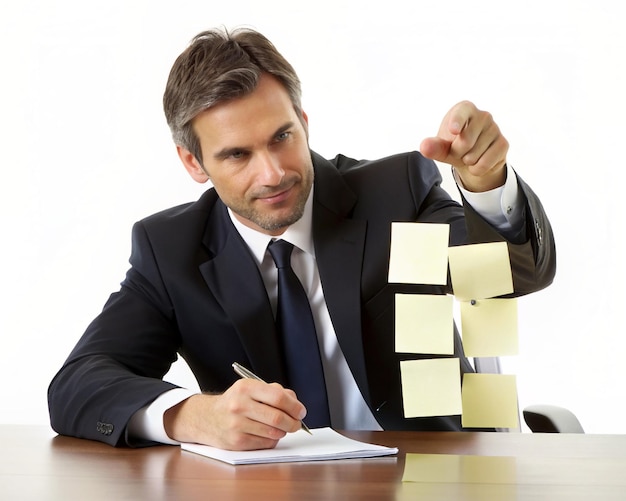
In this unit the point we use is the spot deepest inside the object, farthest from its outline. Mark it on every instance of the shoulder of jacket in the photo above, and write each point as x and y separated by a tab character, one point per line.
200	208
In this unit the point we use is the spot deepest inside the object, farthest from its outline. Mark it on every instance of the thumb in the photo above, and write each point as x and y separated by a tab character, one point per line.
435	148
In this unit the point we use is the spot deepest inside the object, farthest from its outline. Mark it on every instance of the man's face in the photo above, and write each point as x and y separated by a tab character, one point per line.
255	151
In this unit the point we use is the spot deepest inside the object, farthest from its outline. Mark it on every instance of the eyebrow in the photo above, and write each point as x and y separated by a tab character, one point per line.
230	150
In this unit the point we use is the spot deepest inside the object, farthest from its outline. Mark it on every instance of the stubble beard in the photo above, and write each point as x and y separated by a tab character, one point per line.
272	223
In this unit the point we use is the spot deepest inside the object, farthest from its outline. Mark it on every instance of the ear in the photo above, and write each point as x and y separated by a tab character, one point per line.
196	171
305	122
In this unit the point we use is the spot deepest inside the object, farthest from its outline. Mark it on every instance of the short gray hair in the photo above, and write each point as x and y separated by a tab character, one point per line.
216	67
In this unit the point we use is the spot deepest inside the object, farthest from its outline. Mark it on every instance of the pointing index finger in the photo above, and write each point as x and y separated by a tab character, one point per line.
459	117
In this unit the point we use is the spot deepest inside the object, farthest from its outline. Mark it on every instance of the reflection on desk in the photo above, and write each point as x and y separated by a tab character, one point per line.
36	464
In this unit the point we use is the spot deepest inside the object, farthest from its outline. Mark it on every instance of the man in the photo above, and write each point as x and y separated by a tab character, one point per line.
203	284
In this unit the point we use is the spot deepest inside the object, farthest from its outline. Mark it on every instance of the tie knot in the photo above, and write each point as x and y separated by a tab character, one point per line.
281	253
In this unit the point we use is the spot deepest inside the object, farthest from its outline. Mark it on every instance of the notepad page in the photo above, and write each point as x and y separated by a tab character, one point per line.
323	444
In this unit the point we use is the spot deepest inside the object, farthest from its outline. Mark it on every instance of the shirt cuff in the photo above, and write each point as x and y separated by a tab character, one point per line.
147	422
502	207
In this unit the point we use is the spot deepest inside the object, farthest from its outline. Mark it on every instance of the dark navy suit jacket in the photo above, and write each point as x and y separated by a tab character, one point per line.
194	289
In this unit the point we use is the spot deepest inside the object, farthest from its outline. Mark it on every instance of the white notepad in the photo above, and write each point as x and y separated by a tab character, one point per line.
324	444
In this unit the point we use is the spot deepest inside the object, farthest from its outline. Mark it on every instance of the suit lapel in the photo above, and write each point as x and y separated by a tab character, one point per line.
339	244
234	279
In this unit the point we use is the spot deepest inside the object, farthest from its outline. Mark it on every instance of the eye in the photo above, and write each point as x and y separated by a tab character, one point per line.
282	136
237	155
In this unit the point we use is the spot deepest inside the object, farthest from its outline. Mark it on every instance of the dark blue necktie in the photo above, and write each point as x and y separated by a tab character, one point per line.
297	329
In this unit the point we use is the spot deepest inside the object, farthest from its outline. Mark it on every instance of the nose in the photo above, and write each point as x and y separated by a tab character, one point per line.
269	169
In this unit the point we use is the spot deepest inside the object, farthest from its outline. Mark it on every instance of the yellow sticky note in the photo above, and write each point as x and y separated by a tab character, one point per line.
480	271
419	253
435	468
431	387
489	327
490	401
452	468
411	491
424	324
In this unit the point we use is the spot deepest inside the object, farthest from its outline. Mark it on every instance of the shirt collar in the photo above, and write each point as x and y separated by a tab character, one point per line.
299	234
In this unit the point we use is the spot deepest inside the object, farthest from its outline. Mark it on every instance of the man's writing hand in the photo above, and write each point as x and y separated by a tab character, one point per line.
472	143
249	415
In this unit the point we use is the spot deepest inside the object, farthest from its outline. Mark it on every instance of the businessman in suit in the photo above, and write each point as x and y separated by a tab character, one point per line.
202	284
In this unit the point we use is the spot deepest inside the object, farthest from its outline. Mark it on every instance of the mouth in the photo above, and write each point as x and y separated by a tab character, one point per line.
277	197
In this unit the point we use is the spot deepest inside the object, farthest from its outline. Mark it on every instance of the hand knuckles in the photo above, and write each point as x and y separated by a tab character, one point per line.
235	406
469	159
275	420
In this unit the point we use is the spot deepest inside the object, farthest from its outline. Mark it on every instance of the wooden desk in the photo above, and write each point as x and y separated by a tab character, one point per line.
37	465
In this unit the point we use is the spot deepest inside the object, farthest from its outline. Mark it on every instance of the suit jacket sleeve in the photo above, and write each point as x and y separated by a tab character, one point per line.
532	254
117	365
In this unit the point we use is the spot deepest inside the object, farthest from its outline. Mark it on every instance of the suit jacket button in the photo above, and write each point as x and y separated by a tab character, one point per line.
104	428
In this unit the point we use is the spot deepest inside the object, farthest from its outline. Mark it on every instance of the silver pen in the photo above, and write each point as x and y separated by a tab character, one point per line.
247	374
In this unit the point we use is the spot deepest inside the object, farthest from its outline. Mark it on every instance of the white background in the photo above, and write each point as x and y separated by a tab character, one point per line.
85	152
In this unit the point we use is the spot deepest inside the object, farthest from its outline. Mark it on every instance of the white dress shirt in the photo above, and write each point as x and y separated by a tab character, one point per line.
502	207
